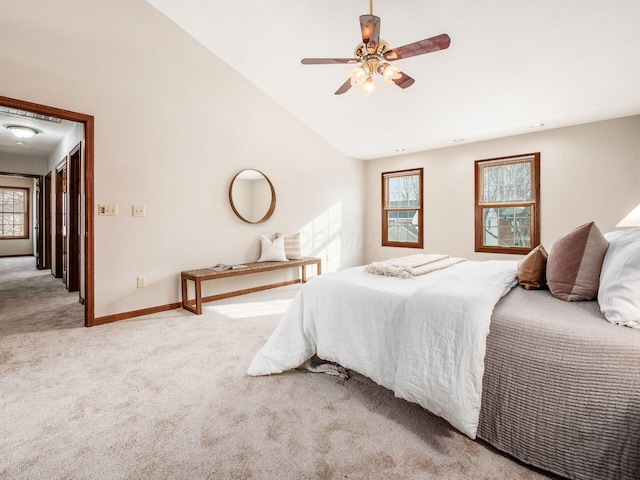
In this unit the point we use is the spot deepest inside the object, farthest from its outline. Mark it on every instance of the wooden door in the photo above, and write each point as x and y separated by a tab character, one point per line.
60	236
73	224
38	208
48	215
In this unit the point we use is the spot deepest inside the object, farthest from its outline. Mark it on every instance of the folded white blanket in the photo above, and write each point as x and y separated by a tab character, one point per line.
412	265
432	267
412	261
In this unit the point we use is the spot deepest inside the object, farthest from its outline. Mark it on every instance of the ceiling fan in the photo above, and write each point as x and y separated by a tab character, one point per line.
372	52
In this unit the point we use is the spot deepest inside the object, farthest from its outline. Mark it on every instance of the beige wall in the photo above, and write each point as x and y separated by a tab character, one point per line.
26	246
23	165
588	172
173	125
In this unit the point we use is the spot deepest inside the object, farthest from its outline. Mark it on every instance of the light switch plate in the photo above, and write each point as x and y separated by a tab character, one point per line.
138	211
109	210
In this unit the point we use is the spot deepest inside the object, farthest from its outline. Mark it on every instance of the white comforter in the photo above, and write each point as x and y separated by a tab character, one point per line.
422	338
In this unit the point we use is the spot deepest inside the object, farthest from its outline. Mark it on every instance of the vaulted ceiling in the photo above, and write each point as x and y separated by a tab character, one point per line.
510	65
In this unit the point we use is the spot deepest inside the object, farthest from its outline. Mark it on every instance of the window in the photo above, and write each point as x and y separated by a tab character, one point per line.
402	208
14	213
507	211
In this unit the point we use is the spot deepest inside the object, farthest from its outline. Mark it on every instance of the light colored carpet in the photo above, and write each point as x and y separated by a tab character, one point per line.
166	397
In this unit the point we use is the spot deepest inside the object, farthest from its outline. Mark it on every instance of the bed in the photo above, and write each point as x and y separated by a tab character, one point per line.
552	383
561	388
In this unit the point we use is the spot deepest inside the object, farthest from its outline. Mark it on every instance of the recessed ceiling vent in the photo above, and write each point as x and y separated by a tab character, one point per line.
22	113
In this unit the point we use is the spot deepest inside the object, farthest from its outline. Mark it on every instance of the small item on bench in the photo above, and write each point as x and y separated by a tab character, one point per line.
221	267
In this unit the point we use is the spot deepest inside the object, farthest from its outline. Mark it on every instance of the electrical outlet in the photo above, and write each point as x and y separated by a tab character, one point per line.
138	211
142	282
109	210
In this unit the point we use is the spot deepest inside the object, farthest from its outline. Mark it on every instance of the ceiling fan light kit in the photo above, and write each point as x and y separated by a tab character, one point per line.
373	54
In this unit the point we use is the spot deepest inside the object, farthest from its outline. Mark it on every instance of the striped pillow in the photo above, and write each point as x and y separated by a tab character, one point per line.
292	246
574	264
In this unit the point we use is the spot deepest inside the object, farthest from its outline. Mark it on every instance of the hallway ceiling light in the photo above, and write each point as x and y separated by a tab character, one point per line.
22	132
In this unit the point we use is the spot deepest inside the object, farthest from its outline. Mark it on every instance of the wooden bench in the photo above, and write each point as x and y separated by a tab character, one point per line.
203	274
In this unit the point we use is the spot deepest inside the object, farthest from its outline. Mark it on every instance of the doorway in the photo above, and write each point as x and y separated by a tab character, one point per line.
47	250
68	222
72	217
59	263
84	177
39	223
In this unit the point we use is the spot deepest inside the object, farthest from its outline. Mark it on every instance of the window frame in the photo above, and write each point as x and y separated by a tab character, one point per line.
387	209
534	203
27	192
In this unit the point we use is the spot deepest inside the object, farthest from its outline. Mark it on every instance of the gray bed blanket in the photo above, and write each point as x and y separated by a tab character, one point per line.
561	388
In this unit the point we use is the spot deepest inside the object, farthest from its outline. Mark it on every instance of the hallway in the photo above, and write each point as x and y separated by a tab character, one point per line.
32	300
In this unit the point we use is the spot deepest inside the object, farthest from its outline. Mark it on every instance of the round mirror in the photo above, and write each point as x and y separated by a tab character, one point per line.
252	196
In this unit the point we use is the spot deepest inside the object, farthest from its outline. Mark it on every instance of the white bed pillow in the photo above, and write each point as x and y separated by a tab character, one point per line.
611	236
619	293
272	250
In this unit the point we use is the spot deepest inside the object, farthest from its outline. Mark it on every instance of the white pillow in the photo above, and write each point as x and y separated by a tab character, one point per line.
619	296
292	246
272	251
611	236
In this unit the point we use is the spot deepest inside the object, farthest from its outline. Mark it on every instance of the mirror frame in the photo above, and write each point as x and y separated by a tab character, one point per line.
272	207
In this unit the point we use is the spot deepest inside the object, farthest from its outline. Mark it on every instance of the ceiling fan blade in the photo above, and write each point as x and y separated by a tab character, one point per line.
345	86
323	61
433	44
405	81
370	26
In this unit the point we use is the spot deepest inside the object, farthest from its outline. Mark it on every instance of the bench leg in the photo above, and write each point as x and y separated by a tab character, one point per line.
185	297
185	300
198	297
303	269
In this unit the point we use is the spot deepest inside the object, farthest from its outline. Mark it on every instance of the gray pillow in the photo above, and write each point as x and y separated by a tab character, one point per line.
574	263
